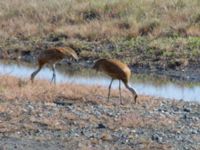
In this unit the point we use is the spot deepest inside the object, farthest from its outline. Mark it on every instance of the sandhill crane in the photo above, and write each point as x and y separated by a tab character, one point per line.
116	70
52	56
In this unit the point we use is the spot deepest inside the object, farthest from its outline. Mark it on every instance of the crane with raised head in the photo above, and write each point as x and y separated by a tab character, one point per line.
52	56
116	70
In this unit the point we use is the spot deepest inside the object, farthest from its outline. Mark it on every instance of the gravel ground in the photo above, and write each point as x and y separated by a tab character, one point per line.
154	123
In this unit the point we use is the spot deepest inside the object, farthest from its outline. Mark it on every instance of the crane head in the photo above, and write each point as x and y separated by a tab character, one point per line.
69	52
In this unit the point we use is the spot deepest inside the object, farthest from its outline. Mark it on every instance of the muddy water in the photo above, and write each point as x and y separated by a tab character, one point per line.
143	84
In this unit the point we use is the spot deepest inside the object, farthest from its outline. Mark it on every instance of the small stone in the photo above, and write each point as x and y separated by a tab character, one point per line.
194	131
186	110
185	116
101	126
156	138
62	103
195	118
131	137
106	137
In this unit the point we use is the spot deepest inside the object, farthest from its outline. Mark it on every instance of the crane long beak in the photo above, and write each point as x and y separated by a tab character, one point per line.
76	59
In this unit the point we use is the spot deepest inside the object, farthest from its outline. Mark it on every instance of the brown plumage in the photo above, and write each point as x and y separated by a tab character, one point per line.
116	70
52	56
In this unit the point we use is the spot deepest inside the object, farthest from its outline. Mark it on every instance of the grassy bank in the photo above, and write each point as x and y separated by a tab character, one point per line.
12	88
162	34
164	52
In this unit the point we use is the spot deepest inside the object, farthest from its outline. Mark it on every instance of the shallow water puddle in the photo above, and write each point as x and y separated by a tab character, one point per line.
143	84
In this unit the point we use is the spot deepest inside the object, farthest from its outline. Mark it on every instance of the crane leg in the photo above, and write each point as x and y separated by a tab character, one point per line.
109	89
54	74
35	73
120	95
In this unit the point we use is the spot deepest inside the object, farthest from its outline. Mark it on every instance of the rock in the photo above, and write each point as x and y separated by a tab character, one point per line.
4	116
193	131
106	137
63	103
175	109
186	110
185	116
157	138
101	126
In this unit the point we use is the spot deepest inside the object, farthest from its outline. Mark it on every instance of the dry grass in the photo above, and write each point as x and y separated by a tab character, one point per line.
96	20
156	121
13	88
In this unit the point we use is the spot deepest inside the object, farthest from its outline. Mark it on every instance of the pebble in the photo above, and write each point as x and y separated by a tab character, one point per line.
186	110
179	133
101	126
157	138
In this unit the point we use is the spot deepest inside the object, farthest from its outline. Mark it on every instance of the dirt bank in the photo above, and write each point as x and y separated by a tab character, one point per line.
180	62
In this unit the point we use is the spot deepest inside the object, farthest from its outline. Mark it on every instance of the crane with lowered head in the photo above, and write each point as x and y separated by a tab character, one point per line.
116	70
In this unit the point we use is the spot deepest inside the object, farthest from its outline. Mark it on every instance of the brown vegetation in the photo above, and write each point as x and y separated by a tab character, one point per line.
94	19
130	30
12	88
